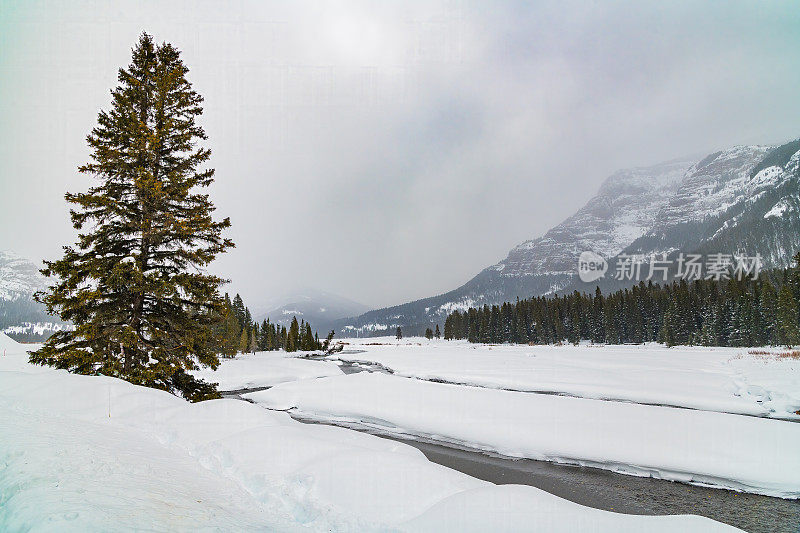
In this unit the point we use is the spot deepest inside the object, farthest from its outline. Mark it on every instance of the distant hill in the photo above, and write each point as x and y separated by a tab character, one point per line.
321	309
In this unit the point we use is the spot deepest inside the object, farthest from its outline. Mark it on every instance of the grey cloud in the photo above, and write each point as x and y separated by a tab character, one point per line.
412	144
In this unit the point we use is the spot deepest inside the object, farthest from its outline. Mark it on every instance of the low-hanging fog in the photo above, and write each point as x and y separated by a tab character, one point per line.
388	151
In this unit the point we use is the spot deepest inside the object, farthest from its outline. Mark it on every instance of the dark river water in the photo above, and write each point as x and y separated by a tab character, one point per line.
611	491
602	489
624	494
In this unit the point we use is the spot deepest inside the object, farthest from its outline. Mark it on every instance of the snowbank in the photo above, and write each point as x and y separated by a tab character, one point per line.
265	369
8	344
713	379
773	381
74	475
511	508
82	453
738	452
14	355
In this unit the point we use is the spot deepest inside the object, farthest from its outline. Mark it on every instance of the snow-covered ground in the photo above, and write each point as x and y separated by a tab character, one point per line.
265	369
714	379
739	452
85	453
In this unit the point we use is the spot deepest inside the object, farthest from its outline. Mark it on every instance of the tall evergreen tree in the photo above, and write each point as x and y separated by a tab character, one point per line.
769	308
239	311
230	341
248	325
309	342
293	335
243	346
707	335
134	285
794	276
225	329
788	329
263	336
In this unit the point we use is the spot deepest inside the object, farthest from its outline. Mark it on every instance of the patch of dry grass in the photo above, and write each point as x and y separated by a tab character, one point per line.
767	355
792	354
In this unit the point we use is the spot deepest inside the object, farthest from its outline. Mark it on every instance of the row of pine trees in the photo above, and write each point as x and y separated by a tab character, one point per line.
239	333
747	312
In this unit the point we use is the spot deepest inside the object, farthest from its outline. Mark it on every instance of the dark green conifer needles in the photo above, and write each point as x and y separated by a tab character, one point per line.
134	285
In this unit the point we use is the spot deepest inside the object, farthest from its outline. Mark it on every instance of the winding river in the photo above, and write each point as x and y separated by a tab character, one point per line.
597	488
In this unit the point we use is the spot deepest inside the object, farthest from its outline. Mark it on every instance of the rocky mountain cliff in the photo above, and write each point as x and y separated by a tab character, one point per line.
623	210
743	198
728	204
19	279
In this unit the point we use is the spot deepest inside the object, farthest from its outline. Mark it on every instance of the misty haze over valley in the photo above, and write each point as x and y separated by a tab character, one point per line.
399	266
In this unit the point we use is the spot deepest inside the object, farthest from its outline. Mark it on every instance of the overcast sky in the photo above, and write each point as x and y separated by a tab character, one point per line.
409	145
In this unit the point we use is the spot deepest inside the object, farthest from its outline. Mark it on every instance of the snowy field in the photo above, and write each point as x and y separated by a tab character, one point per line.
82	453
745	453
713	379
265	369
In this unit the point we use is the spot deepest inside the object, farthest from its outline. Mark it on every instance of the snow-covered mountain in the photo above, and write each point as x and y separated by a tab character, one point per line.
623	210
709	188
19	278
20	316
745	198
712	185
321	309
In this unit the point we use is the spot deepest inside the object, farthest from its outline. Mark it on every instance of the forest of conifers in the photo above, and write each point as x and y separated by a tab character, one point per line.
237	332
726	312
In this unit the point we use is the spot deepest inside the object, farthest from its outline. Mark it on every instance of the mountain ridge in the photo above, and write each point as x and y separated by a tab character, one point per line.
320	308
677	205
19	280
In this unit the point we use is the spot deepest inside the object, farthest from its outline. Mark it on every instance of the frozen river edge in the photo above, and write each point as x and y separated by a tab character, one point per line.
607	490
758	454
